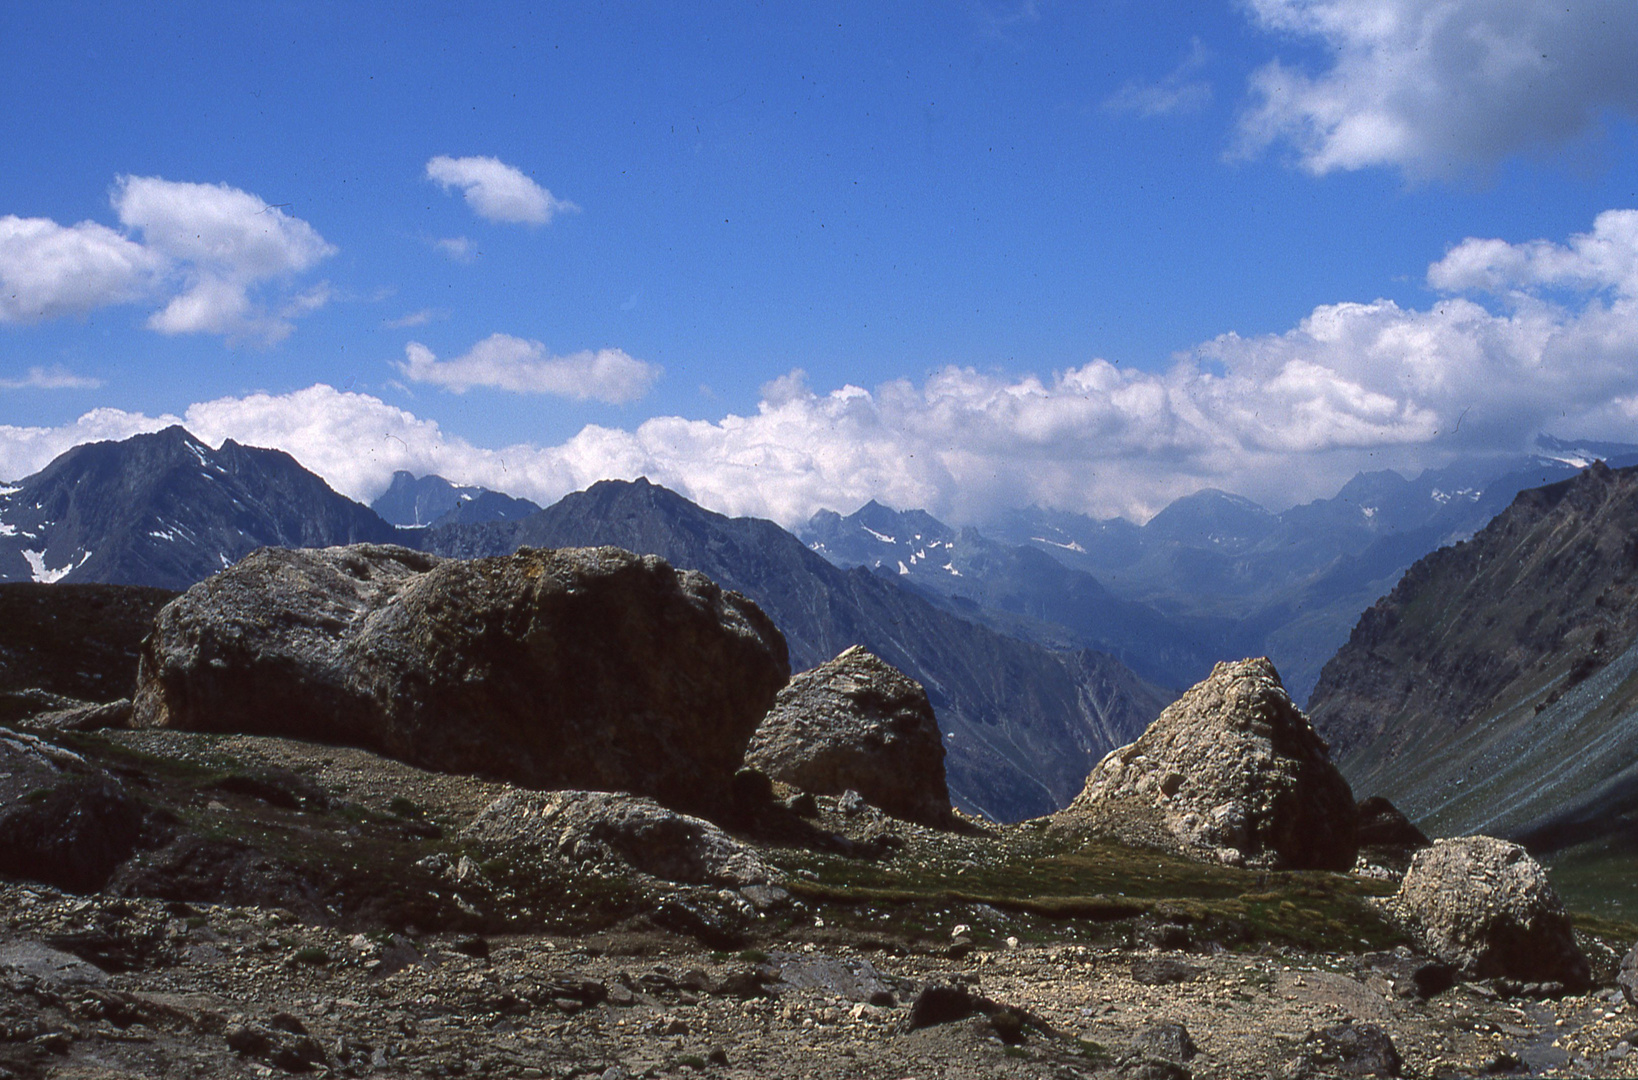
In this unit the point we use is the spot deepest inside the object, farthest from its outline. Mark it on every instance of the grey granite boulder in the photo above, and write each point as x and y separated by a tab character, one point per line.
575	668
856	723
599	828
1232	771
1486	907
84	717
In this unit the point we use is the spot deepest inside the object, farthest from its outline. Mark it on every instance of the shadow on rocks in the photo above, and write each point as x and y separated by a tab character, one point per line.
758	815
282	1042
76	834
946	1003
1346	1049
194	868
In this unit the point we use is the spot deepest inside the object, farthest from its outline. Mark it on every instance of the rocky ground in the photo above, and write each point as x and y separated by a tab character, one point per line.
364	933
205	990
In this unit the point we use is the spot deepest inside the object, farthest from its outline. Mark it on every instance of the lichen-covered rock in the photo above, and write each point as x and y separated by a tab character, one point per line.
64	822
1350	1049
856	723
1232	771
574	668
1627	977
1486	907
84	717
603	828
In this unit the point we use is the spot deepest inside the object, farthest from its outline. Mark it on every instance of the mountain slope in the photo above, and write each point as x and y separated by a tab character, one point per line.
167	510
1496	687
1023	724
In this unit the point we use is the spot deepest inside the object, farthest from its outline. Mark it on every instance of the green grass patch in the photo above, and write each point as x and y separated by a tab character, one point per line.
1595	879
399	806
1049	886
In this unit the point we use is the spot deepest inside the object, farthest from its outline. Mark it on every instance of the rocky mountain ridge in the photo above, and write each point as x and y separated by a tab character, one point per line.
1017	590
88	511
1291	585
165	510
415	502
1494	688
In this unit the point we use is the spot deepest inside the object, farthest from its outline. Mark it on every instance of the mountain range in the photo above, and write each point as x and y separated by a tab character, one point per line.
1495	687
1023	723
1211	576
1017	590
166	510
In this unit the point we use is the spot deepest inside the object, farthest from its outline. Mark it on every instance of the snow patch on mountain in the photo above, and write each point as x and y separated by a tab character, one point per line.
44	574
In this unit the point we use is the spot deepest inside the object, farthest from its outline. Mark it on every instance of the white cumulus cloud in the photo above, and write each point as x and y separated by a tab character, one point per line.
1278	417
48	270
457	248
1437	87
224	244
497	191
416	318
219	259
504	362
1605	258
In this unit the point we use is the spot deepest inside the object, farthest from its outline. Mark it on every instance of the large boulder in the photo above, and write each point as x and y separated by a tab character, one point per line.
1486	907
574	668
857	723
1232	771
63	821
599	829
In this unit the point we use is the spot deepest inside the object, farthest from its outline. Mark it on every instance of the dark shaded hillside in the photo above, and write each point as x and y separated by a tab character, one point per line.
166	510
73	641
1494	688
1023	724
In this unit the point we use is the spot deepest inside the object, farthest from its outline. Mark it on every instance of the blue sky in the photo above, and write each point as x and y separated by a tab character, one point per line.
953	255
